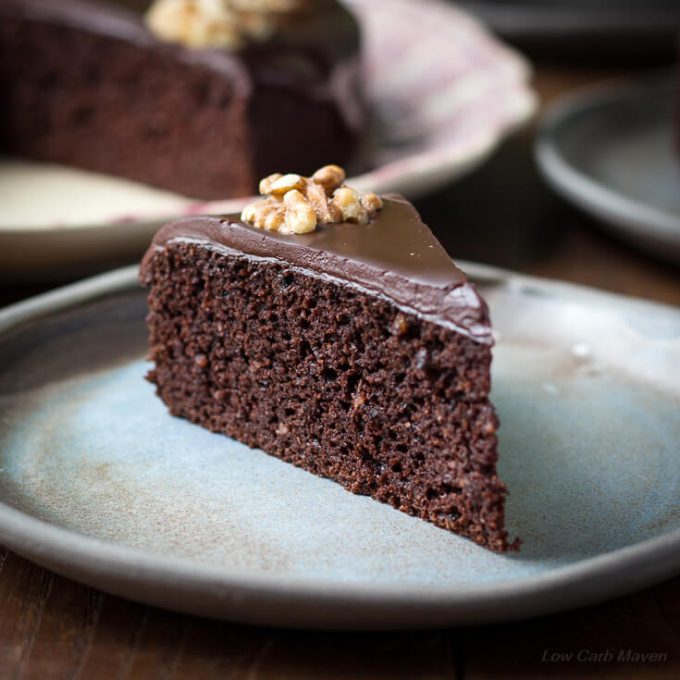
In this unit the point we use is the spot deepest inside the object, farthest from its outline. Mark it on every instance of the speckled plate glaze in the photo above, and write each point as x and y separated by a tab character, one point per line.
443	93
99	483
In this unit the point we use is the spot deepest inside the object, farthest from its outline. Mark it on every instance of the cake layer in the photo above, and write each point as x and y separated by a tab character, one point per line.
334	380
89	85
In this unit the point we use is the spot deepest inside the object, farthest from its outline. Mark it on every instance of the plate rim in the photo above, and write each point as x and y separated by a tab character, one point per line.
636	221
292	602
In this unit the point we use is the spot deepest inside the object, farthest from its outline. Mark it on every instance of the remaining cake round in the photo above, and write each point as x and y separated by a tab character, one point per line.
91	86
355	349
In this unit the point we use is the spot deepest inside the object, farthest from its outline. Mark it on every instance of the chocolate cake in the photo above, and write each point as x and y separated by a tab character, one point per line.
343	340
91	86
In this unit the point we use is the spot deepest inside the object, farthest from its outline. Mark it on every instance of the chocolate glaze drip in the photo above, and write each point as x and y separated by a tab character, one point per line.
395	256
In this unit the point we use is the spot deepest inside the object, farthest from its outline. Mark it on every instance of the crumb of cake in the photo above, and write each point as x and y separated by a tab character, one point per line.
217	23
293	204
400	325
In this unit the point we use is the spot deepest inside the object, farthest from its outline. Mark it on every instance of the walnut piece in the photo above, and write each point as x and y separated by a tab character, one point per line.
226	24
372	202
266	183
268	214
330	177
348	202
282	185
293	204
300	217
326	212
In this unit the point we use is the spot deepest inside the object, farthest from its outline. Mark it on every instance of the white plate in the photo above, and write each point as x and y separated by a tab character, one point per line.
614	151
443	91
99	483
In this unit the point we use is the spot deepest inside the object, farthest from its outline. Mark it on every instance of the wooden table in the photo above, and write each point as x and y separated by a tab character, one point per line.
51	627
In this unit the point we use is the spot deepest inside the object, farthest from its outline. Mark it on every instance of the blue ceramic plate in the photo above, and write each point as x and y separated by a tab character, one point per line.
99	483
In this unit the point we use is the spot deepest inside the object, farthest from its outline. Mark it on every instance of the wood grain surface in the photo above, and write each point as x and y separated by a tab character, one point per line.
51	627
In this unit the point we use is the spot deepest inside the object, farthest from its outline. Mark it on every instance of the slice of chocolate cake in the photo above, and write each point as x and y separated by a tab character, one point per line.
333	331
198	98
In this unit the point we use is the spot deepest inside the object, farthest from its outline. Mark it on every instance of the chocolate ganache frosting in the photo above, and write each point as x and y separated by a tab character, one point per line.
395	256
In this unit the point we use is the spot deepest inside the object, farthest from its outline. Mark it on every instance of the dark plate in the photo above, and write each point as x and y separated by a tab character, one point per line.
636	30
614	152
